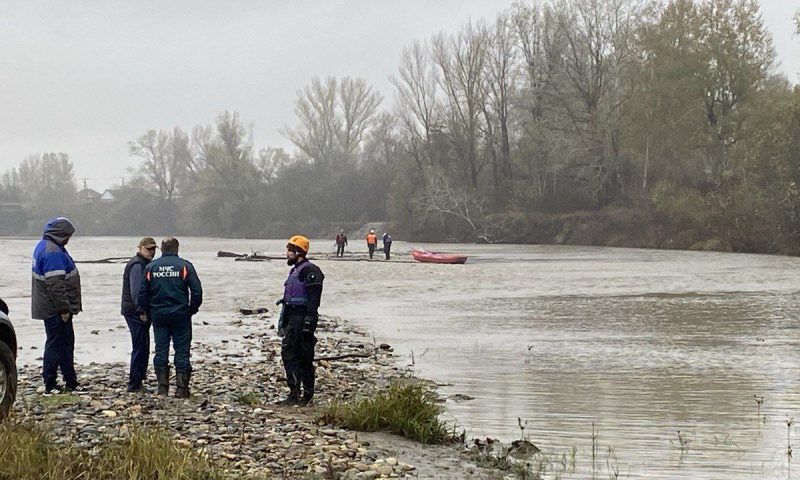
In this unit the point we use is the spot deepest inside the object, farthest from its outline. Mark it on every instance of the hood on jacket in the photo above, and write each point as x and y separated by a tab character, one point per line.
59	230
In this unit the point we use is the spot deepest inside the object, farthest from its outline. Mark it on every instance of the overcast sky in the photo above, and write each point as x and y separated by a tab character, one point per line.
85	77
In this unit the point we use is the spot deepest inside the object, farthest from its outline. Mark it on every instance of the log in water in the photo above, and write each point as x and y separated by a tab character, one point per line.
640	343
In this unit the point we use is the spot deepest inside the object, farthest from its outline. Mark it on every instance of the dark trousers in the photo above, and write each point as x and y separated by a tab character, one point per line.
340	250
140	349
179	331
371	247
59	352
387	247
297	353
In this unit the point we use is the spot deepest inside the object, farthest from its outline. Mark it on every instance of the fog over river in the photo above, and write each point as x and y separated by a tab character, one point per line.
642	343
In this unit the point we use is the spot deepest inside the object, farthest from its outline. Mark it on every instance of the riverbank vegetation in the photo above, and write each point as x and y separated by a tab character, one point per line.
28	453
410	411
608	122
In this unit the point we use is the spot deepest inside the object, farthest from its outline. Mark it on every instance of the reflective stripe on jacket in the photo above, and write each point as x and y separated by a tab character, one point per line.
55	282
170	287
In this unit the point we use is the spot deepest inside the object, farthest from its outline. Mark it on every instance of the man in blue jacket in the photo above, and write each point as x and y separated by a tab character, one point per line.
170	294
135	316
387	245
56	299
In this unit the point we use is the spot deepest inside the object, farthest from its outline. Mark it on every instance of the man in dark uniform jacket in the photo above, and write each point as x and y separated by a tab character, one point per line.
170	294
298	321
135	316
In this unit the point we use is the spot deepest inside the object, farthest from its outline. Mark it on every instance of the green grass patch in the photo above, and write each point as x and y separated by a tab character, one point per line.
28	453
251	399
407	410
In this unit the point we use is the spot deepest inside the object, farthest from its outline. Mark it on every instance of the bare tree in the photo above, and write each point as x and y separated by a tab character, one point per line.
417	104
226	151
270	161
599	38
334	116
166	158
499	83
382	142
359	105
46	182
315	108
797	22
443	200
460	59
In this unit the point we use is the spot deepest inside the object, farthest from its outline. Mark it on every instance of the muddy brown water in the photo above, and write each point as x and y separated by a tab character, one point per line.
640	343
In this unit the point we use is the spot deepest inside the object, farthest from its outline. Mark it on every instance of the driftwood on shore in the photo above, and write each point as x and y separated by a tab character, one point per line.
258	258
224	254
347	355
253	311
106	260
351	257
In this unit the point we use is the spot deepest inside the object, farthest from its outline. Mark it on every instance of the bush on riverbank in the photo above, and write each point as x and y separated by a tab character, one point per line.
406	410
27	453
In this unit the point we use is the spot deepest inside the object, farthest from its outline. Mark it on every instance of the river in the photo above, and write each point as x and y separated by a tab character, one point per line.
635	344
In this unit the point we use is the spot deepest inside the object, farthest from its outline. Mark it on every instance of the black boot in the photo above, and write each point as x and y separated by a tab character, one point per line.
306	399
163	381
292	399
182	382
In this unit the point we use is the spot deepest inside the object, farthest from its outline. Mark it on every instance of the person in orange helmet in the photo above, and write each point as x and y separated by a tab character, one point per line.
372	242
302	293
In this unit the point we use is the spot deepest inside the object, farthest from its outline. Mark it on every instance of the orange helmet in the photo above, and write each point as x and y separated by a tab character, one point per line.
300	242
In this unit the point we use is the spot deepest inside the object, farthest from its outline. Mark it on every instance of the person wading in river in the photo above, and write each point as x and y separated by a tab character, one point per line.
341	242
56	299
170	294
135	316
372	242
302	293
387	245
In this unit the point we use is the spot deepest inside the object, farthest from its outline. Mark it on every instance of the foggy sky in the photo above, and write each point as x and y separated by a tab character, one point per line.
84	78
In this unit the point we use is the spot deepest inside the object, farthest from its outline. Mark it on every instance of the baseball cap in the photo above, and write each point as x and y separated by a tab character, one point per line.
147	242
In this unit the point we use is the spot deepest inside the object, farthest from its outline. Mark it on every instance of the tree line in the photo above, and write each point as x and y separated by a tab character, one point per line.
616	122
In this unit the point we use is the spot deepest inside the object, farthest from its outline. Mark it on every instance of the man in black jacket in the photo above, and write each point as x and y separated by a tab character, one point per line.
170	294
135	316
302	293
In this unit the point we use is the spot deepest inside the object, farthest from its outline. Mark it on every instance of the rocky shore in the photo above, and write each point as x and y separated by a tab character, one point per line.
231	418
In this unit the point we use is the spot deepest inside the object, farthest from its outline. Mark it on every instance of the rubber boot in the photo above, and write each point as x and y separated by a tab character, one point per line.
163	381
182	382
306	399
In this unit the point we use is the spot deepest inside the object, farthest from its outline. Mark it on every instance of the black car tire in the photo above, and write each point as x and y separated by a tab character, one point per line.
10	369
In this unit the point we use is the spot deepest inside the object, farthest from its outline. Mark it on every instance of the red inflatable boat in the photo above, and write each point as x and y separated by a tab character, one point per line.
425	256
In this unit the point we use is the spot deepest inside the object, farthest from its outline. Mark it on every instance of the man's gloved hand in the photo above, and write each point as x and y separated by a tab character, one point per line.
281	319
309	324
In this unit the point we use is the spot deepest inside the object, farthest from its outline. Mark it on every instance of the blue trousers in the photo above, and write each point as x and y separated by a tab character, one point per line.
59	352
140	349
179	331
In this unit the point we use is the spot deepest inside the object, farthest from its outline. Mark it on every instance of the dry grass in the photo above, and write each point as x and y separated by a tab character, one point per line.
28	453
